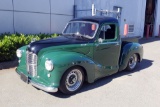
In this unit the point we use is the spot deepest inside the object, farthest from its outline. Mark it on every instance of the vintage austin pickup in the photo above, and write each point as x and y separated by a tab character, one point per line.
88	49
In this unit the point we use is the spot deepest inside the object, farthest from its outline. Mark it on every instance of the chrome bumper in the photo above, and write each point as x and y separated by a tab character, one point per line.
44	88
41	86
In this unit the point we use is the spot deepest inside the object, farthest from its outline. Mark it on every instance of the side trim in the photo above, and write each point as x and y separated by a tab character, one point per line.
44	88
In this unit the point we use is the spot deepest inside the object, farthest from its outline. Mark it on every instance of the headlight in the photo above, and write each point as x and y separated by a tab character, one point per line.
49	65
19	53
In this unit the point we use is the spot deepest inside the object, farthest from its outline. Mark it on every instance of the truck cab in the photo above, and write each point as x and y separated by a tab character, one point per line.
88	48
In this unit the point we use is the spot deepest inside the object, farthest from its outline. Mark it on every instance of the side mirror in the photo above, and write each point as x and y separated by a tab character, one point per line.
100	40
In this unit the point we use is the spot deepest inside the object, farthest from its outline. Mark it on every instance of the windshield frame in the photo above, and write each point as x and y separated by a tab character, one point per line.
82	22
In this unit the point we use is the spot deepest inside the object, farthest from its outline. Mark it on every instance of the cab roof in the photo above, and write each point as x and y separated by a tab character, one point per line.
97	19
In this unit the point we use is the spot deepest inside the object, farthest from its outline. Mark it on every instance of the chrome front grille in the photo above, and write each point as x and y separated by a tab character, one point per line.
31	63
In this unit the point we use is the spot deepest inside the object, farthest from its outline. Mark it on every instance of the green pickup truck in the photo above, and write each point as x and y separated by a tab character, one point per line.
89	48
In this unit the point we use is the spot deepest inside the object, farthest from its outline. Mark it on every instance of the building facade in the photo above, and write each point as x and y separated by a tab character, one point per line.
50	16
34	16
133	13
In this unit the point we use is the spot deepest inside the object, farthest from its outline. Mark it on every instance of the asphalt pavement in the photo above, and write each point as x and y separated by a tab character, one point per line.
139	88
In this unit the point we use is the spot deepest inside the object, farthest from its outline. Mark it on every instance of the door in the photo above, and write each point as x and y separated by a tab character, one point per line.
107	50
150	14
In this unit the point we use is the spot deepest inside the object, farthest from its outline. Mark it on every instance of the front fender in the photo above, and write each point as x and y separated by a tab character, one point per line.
22	61
128	50
64	60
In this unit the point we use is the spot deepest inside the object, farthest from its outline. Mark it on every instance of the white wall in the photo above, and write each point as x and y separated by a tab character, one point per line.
6	16
50	16
6	5
61	13
34	16
133	12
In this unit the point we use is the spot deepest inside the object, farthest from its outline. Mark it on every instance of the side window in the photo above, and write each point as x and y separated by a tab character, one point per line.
108	32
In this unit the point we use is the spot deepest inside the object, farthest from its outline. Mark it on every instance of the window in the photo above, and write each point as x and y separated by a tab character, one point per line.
86	29
108	31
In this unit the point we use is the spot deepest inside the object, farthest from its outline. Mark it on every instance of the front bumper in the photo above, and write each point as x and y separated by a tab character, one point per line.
43	87
38	85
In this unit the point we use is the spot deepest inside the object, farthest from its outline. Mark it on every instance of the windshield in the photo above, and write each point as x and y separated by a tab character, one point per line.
80	28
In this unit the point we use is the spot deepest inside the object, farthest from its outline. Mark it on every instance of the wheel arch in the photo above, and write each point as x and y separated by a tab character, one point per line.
138	56
83	69
127	51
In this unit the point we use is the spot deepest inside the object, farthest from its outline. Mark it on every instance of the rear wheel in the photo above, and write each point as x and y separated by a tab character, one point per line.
132	62
72	80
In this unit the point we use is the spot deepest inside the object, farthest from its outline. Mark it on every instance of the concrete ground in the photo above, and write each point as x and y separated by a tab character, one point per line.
140	88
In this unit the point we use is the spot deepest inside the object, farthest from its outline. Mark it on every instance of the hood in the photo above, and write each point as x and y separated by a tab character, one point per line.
36	46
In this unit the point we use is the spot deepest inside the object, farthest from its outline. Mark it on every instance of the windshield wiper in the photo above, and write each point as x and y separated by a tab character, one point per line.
85	36
81	36
76	35
67	35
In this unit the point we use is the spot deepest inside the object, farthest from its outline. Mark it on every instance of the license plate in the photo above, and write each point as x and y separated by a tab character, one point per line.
24	78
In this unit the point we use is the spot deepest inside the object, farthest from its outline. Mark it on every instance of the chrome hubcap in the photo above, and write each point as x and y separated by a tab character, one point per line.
133	61
74	80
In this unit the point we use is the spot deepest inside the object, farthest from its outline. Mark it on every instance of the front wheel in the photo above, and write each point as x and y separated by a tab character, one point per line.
132	62
72	80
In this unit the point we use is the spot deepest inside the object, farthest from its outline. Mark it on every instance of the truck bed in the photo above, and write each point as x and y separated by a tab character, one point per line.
131	39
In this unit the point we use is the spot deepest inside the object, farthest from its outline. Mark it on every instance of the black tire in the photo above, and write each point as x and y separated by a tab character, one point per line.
132	62
72	80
